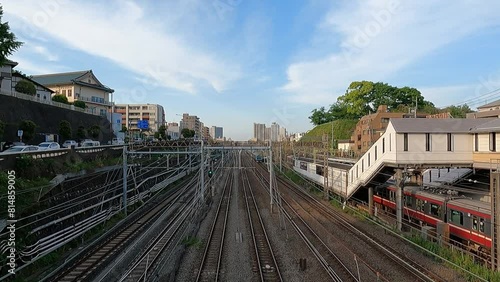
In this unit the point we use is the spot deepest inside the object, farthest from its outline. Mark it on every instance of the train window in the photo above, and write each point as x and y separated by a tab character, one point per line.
420	205
481	225
474	222
392	195
457	217
408	201
436	210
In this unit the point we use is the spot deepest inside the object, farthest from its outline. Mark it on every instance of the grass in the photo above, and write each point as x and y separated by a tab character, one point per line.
191	241
342	129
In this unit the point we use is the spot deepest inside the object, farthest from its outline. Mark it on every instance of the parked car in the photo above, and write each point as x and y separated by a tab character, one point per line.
90	143
19	149
44	146
70	144
117	141
8	145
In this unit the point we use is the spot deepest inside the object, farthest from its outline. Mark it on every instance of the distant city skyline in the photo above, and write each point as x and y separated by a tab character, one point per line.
262	61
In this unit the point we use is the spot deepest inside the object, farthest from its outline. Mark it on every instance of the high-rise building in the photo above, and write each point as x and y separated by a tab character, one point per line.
275	132
267	134
132	113
259	131
192	123
216	132
206	133
282	135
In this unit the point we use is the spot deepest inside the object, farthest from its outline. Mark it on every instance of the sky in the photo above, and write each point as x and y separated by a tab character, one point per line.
236	62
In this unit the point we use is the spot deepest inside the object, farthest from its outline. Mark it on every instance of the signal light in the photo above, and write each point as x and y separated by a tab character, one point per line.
210	173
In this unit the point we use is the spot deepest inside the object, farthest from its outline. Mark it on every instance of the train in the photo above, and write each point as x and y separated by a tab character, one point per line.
259	159
468	220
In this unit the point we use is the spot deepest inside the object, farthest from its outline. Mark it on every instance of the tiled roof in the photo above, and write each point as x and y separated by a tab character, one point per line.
69	78
491	125
489	105
59	78
411	125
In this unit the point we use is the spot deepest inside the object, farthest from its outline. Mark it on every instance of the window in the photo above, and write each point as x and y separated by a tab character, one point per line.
384	120
405	142
436	210
64	92
70	92
383	145
375	153
368	159
144	107
457	217
420	205
357	171
408	201
493	141
481	225
102	112
427	142
474	222
449	139
362	165
476	142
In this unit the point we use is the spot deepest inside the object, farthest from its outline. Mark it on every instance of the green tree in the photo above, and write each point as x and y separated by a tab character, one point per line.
81	133
79	104
65	129
458	111
8	40
26	87
319	116
187	133
28	127
162	130
124	129
94	131
60	98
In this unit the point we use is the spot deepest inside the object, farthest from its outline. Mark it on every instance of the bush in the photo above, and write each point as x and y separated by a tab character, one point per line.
81	133
80	104
65	129
60	98
94	131
26	87
28	127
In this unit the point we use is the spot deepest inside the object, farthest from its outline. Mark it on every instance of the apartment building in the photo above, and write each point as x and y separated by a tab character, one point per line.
216	132
132	113
490	110
259	131
79	86
192	123
173	130
206	133
370	127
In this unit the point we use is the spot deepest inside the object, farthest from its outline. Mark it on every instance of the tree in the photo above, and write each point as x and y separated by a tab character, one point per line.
319	116
458	111
28	127
124	129
94	131
60	98
162	130
79	104
81	133
8	41
65	129
26	87
187	133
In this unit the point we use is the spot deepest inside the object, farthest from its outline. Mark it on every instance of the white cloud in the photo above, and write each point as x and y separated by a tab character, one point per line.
30	68
122	32
46	53
378	38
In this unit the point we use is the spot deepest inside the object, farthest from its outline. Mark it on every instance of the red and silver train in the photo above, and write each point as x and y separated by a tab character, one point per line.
469	221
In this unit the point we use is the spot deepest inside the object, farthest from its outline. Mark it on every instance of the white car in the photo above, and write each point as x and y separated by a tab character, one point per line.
69	144
44	146
19	149
117	141
90	143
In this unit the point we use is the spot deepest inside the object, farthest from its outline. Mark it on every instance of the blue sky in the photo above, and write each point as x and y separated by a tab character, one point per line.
235	62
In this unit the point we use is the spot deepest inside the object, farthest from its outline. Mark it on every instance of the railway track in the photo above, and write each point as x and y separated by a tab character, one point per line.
211	262
417	271
329	260
266	262
147	260
87	265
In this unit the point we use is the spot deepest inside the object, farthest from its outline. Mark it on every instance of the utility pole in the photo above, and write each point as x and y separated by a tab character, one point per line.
125	179
271	173
202	174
